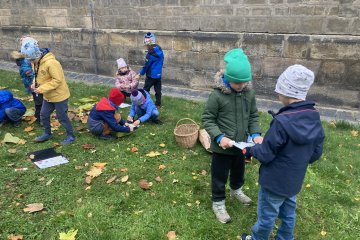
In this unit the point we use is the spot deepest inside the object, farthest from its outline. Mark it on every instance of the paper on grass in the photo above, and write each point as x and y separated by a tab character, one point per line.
124	105
51	162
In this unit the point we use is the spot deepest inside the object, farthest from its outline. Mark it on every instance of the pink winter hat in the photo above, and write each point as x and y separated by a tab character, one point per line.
121	63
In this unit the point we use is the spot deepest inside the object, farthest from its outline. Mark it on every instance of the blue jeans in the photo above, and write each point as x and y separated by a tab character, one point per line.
14	114
154	114
271	206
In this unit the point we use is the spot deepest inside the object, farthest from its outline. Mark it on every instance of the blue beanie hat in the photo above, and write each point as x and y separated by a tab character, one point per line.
149	39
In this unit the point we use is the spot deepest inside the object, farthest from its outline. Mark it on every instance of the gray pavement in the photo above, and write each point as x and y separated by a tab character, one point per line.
327	113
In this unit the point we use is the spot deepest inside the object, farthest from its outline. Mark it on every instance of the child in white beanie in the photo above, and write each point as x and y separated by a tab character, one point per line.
294	140
125	78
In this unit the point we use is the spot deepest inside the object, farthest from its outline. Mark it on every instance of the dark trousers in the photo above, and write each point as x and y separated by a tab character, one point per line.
38	101
220	167
14	115
61	114
156	82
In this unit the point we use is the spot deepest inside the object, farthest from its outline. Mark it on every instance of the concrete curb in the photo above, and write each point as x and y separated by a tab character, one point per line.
326	113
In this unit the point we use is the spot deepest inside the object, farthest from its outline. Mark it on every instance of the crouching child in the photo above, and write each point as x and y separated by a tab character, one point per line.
11	109
103	118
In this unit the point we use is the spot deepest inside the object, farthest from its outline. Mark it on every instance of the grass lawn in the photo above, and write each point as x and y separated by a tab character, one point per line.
328	205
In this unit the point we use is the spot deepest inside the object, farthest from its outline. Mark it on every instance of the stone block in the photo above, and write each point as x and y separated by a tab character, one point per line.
190	2
302	10
331	72
261	11
123	39
255	2
235	24
218	43
355	27
337	25
213	24
101	38
281	25
62	49
281	11
81	51
257	24
60	22
310	25
4	20
182	44
181	59
242	11
276	1
5	12
52	12
351	80
136	57
202	79
177	76
330	50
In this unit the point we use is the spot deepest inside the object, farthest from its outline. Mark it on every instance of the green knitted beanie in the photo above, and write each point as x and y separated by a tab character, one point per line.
238	68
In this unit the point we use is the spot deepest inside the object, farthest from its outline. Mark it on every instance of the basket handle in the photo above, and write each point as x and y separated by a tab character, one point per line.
186	119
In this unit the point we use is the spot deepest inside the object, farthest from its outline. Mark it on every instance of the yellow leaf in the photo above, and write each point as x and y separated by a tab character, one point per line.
8	138
88	188
165	152
110	180
308	185
354	133
88	179
171	235
15	237
94	172
162	144
125	178
153	154
34	207
99	165
175	181
12	150
162	166
21	142
323	233
70	235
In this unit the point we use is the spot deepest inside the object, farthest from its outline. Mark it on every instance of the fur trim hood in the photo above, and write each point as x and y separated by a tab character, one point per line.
219	83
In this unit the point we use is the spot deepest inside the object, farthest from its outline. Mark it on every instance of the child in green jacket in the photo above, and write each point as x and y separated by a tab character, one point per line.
230	115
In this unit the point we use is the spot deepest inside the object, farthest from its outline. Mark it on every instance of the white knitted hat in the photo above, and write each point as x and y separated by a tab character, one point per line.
295	82
121	63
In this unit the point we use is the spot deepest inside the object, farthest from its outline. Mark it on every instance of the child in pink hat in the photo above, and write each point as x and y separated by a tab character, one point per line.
125	79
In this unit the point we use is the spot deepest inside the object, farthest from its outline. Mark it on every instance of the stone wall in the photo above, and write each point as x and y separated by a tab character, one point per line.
88	36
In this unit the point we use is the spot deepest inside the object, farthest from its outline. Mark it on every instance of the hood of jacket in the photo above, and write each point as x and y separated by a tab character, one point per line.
105	105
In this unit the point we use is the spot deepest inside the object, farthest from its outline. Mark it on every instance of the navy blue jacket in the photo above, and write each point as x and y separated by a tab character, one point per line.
26	72
153	64
294	140
8	101
104	111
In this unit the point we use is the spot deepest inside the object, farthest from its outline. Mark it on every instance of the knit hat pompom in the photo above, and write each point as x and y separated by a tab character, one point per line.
295	82
238	68
116	96
149	39
121	63
137	97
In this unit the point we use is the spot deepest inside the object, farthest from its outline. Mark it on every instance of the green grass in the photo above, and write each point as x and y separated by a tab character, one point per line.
125	211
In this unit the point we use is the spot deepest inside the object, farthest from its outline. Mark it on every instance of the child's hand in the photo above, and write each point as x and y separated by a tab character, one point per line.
258	140
136	123
32	86
36	90
131	128
130	119
225	143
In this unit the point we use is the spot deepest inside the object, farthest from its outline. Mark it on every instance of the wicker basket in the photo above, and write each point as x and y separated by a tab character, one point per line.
186	135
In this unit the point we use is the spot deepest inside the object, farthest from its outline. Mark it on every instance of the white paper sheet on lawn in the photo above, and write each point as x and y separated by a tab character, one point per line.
51	162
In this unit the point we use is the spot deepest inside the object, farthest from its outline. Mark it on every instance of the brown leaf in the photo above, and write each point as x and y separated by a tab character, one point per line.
110	180
87	146
71	115
99	165
125	178
94	172
171	235
144	184
162	167
56	144
41	179
123	170
15	237
88	179
165	152
158	179
12	150
30	119
84	119
21	142
80	128
354	133
34	207
134	149
55	123
28	129
203	172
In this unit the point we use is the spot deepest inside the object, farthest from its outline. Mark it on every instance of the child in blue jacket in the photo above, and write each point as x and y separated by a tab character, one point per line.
294	140
11	109
143	106
27	75
103	118
153	65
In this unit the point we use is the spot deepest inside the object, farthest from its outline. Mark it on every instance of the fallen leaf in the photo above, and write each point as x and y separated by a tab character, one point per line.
162	166
15	237
203	172
94	172
8	138
79	128
354	133
189	204
79	200
171	235
134	149
70	235
28	129
162	144
41	179
31	156
197	202
88	179
21	142
99	165
49	182
84	119
56	144
55	123
110	180
175	181
89	215
323	233
165	152
332	124
144	184
125	178
123	170
308	185
86	100
87	146
12	150
152	134
34	207
158	179
87	188
153	154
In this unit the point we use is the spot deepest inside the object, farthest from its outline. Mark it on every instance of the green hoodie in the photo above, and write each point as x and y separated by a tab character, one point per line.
231	113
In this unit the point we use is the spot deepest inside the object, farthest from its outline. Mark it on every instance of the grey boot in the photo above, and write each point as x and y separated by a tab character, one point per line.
240	195
220	211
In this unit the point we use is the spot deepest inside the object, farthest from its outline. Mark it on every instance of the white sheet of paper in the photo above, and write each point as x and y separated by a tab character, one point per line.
51	162
124	105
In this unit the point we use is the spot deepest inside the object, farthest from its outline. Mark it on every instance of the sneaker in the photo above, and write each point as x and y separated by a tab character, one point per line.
157	121
220	211
43	137
246	236
240	195
106	137
68	140
17	124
